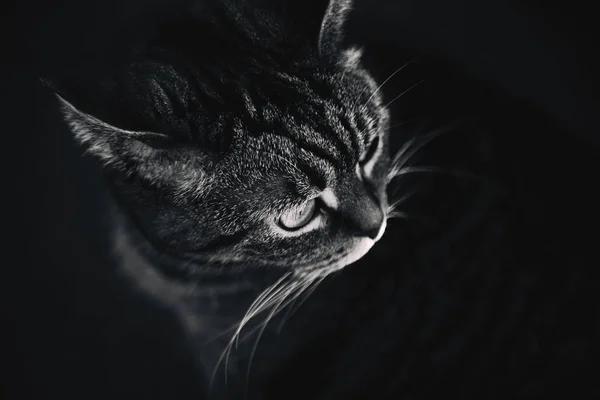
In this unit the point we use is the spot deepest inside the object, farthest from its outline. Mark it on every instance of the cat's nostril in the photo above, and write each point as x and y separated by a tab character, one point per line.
374	232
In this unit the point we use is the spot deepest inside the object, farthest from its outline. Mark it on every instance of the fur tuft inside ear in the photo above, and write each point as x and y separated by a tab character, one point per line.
351	58
331	34
105	141
141	153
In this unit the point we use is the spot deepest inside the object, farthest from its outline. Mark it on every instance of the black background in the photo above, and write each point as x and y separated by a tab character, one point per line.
72	328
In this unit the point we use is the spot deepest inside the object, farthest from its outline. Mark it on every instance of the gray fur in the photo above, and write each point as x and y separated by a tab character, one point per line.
226	149
331	35
231	147
210	195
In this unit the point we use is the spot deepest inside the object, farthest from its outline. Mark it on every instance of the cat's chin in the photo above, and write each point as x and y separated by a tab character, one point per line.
359	250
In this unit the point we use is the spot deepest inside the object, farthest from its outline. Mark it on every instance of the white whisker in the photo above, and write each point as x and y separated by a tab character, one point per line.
282	297
286	294
262	303
403	215
403	93
409	149
390	77
257	306
437	170
396	203
311	285
398	214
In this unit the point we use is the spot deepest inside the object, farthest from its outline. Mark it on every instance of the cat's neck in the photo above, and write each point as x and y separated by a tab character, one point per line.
209	307
204	299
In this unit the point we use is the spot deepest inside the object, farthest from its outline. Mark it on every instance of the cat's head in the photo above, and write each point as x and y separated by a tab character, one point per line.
262	156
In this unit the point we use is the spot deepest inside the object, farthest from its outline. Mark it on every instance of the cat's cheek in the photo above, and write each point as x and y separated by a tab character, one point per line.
356	250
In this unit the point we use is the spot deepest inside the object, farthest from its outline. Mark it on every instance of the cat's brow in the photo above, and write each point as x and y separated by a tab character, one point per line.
313	148
335	138
317	124
316	177
342	139
353	134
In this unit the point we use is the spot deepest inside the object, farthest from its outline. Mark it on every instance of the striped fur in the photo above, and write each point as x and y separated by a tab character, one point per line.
225	122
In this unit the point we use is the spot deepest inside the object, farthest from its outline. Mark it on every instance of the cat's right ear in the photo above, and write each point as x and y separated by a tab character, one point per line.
331	33
112	145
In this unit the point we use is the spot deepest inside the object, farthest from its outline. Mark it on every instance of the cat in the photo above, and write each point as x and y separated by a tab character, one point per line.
259	167
470	308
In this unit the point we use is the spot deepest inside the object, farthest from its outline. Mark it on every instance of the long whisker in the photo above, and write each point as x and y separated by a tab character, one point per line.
221	334
291	303
257	306
410	149
390	77
282	297
262	303
403	93
314	284
401	123
406	146
402	151
438	170
399	214
293	296
305	293
403	215
254	304
285	295
396	203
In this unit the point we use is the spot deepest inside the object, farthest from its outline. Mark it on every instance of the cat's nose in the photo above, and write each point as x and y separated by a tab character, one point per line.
372	226
366	218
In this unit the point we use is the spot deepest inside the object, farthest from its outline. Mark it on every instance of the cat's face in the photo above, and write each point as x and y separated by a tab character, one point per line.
297	179
309	193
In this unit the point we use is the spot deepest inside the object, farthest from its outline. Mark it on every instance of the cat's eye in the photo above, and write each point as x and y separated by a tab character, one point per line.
367	155
299	216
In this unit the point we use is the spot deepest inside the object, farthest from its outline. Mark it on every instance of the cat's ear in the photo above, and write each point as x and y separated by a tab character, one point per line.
155	157
332	29
112	145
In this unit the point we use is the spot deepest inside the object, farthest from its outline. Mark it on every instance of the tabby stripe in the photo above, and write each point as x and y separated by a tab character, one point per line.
316	177
353	133
328	133
312	148
317	151
351	146
335	141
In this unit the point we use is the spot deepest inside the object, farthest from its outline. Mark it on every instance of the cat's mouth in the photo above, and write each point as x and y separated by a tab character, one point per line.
355	253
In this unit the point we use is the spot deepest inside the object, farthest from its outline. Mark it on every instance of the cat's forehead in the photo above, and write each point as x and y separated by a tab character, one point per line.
315	123
291	157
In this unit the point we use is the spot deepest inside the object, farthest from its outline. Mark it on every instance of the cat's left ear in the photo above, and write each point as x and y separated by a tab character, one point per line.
113	146
331	33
